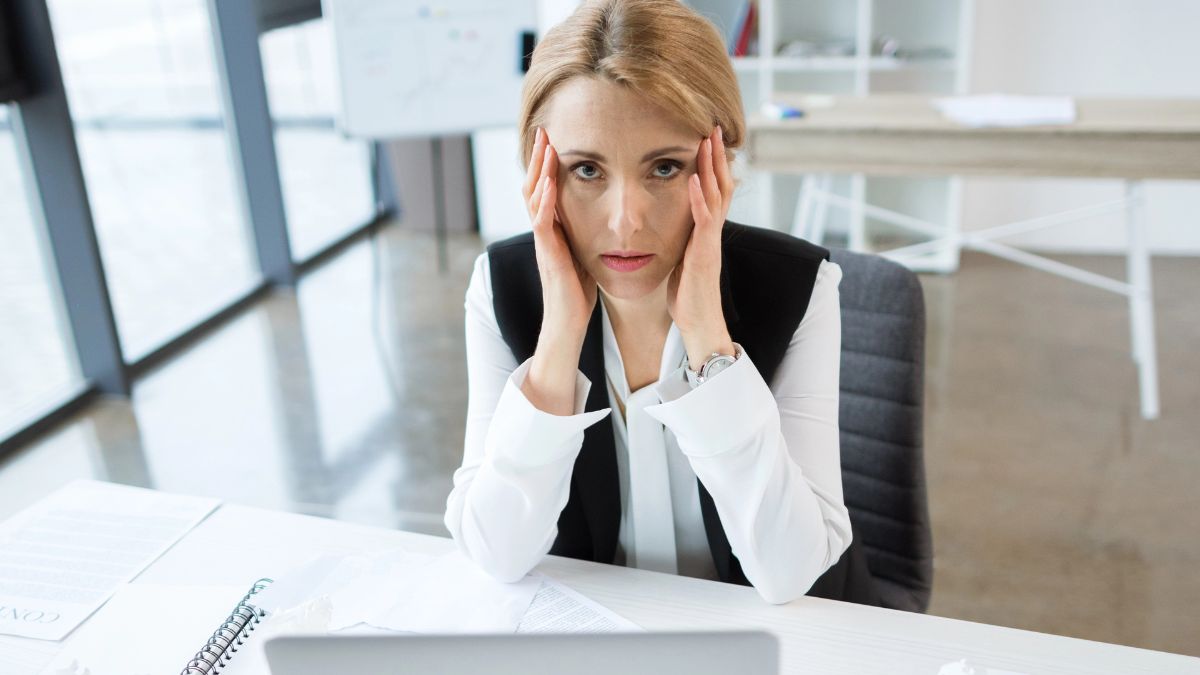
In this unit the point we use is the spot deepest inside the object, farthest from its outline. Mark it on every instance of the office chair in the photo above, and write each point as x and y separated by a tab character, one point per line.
880	419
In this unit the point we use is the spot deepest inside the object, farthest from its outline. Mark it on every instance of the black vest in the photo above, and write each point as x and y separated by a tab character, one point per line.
767	279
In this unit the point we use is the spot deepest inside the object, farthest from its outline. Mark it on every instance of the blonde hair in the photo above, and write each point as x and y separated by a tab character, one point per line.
660	49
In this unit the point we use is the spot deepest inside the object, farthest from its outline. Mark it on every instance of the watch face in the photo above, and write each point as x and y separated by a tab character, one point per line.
717	366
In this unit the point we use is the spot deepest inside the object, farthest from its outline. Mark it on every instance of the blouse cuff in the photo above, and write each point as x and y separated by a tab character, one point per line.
718	415
525	436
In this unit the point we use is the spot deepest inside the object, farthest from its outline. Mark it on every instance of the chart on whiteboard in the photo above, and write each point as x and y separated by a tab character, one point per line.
420	69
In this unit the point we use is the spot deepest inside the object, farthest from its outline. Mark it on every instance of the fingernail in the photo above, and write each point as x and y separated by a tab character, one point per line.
720	133
537	137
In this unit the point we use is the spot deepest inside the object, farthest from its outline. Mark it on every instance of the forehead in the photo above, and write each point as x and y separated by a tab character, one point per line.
592	114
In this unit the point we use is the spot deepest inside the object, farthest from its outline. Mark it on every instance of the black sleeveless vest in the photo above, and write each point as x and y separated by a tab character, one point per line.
767	278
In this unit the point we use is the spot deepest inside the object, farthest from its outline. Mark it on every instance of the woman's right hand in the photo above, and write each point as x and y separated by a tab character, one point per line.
568	291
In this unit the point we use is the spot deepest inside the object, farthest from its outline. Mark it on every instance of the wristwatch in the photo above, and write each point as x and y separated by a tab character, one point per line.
715	364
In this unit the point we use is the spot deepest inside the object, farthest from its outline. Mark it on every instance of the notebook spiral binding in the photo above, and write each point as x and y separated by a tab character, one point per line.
232	633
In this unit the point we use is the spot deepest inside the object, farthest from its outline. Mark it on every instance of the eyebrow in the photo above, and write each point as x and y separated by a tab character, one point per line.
645	158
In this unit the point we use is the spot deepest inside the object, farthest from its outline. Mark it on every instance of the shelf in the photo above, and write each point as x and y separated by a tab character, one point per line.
743	64
792	64
883	63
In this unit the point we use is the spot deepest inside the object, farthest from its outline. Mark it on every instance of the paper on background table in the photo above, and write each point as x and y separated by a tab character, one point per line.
62	557
1000	110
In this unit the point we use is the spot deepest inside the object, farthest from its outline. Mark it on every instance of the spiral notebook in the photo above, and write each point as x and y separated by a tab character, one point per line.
196	630
222	646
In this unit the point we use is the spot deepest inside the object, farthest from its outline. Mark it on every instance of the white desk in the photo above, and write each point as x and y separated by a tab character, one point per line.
238	544
904	135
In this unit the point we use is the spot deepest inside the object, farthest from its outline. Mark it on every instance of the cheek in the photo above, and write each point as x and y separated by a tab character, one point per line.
678	238
578	214
674	212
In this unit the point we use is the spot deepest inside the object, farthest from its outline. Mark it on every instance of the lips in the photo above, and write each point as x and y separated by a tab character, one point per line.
626	261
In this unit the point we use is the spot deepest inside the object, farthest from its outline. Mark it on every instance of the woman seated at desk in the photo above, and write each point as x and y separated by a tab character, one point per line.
716	344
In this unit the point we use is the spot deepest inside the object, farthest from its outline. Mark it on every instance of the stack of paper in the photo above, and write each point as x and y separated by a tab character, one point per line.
63	557
998	110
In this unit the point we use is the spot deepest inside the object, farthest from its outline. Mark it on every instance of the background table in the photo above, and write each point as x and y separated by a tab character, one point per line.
1128	139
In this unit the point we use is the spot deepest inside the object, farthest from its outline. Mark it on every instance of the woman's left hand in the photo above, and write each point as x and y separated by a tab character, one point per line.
694	289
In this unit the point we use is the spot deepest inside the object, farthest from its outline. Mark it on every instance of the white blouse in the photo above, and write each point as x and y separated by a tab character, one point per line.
768	455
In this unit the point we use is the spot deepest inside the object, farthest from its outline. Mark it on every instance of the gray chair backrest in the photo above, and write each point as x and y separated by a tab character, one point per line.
880	416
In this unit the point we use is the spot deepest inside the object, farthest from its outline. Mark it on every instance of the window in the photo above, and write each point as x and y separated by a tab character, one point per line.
37	364
326	178
144	94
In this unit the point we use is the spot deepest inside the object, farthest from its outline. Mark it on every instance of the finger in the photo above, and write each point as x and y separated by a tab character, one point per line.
700	212
534	171
552	165
535	200
555	243
545	212
704	165
721	164
712	190
545	170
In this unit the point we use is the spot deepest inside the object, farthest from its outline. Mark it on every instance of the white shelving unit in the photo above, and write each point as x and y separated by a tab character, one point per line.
941	25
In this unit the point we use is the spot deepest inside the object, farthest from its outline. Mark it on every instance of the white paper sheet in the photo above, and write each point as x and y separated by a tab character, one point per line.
416	593
26	656
61	558
147	629
560	609
965	667
999	110
432	594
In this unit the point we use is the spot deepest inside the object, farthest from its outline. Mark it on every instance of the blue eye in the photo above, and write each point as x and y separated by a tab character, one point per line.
674	168
669	165
575	174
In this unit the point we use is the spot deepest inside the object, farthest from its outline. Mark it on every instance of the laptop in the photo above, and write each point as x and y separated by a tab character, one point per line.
693	653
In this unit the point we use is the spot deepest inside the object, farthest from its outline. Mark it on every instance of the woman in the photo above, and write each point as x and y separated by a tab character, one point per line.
624	301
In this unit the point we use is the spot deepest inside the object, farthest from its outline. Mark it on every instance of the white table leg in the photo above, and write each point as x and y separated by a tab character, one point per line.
821	216
801	220
857	240
1141	300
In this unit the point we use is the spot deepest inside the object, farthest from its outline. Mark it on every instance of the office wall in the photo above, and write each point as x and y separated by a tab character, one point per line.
1087	48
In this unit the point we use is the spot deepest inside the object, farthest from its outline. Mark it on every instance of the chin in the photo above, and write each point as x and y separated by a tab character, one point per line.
631	285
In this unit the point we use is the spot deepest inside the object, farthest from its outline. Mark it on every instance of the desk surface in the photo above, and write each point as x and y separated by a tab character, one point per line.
903	134
238	543
1177	117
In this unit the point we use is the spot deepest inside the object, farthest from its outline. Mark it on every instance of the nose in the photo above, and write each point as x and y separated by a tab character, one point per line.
629	201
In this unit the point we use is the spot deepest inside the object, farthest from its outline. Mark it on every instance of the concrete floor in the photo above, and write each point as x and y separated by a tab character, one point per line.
1055	506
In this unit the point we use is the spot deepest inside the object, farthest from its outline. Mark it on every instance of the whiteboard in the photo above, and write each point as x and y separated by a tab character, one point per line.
410	68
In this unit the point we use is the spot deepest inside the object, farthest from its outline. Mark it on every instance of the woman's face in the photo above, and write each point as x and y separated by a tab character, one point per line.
623	175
